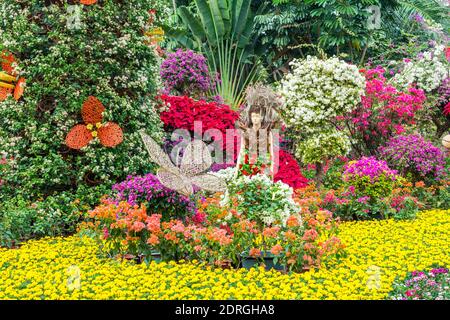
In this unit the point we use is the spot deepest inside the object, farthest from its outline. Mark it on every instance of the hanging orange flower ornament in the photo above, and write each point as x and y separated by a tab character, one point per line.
9	82
88	2
109	134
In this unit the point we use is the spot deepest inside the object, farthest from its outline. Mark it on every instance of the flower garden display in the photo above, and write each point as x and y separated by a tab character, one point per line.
148	190
395	247
383	113
317	91
370	175
105	59
214	119
420	285
261	199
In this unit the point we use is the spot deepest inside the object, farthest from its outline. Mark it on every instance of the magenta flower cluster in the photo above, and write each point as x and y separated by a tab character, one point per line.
413	154
185	72
158	199
368	167
384	110
431	285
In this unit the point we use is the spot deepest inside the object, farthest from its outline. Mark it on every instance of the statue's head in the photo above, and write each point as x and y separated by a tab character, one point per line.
261	107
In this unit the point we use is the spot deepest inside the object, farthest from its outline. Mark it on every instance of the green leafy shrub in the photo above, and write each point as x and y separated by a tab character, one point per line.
104	56
58	214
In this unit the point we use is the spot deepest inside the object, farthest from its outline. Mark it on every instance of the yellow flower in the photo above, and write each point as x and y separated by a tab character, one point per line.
377	252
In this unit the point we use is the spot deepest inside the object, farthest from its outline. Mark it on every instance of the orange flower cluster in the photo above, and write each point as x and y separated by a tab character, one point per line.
109	134
8	76
308	197
88	2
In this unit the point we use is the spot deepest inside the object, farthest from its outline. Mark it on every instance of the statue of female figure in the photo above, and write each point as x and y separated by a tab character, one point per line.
258	124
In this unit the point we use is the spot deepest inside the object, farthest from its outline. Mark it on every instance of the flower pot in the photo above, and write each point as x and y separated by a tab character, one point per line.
266	259
156	256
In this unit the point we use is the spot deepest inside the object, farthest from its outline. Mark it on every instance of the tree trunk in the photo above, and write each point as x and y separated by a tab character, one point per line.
319	174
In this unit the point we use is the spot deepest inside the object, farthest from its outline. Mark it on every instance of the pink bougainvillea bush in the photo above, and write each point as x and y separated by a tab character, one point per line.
384	111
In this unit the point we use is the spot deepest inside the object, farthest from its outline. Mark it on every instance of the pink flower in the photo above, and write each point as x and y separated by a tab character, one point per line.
105	233
137	226
410	293
310	235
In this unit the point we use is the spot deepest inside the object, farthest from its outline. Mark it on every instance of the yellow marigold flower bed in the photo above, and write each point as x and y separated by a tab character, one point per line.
377	252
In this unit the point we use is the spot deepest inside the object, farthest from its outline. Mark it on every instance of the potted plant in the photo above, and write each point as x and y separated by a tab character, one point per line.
266	258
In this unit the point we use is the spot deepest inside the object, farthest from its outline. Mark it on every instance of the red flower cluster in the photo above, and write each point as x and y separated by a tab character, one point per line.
289	171
447	109
251	168
183	111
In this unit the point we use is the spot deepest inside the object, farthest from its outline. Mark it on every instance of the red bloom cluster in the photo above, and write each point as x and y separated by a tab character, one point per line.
289	171
183	111
447	109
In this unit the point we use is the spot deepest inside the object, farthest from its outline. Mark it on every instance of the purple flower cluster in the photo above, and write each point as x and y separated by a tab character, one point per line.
159	199
413	154
368	167
431	285
185	72
418	18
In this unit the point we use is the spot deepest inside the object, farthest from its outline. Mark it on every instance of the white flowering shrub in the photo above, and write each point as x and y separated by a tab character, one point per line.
103	54
315	93
227	174
260	199
427	72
